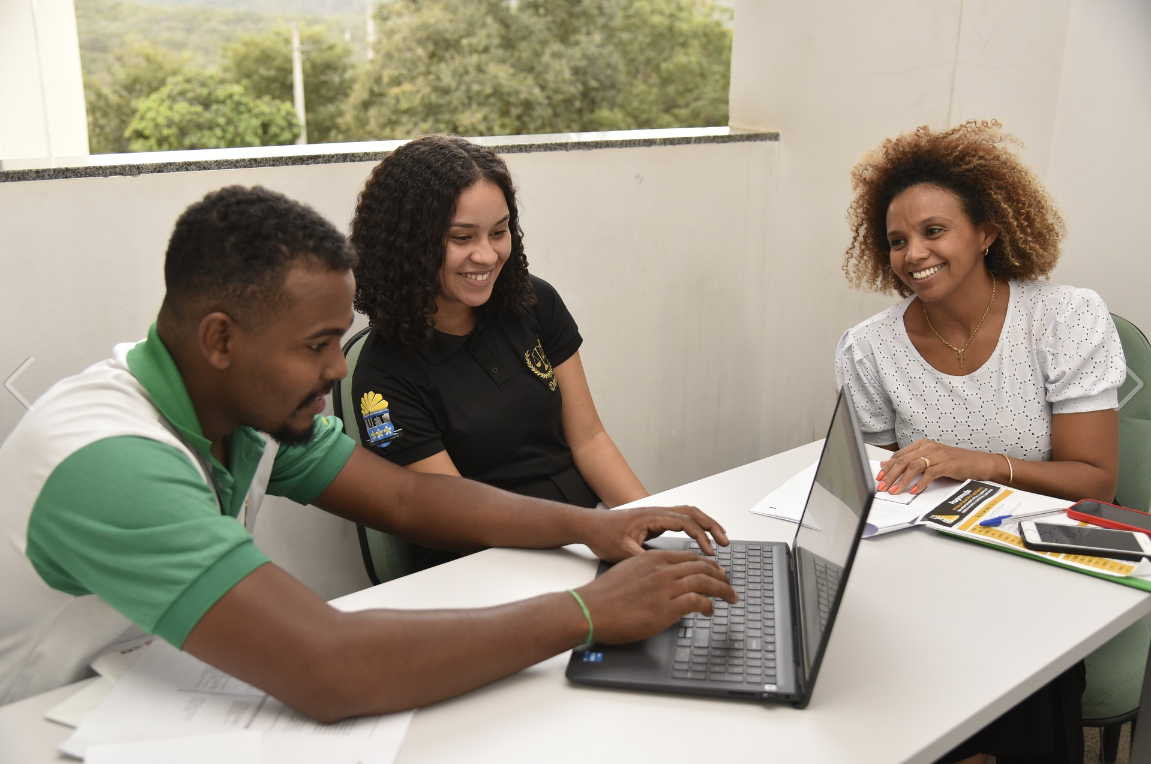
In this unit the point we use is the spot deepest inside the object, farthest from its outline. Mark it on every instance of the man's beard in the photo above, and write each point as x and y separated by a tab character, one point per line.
290	436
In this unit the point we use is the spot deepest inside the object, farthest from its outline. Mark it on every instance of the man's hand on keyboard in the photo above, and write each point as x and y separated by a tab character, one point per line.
619	534
645	594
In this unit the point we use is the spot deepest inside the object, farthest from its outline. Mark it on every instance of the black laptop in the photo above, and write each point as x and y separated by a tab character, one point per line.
770	644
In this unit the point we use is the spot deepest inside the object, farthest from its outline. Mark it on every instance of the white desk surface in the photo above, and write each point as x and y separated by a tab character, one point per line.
935	638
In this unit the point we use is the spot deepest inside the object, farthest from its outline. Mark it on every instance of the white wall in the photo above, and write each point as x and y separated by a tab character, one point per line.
42	112
657	252
1071	78
1100	164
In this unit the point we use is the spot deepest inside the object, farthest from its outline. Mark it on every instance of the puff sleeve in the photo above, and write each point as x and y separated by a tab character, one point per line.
1080	354
856	373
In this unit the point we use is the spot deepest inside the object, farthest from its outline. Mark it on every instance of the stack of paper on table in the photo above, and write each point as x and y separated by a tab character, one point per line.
170	701
110	667
889	512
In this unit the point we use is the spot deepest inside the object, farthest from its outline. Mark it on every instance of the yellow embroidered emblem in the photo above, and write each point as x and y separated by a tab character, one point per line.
378	420
372	402
540	365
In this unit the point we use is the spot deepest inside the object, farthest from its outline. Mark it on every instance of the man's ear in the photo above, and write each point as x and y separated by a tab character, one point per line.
216	339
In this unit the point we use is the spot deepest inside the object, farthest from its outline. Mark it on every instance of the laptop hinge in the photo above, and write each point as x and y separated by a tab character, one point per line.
796	628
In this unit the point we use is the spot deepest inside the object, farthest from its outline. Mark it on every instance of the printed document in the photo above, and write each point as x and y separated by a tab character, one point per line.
169	694
889	512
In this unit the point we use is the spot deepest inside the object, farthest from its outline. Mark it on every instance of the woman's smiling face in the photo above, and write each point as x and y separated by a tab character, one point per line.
477	245
935	247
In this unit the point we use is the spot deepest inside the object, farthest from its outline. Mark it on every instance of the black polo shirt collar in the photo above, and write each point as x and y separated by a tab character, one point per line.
444	346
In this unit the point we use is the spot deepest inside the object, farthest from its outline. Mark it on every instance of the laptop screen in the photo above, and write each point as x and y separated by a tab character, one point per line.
836	510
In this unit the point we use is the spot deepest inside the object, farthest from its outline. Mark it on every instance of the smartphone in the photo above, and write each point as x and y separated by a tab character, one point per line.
1110	516
1075	539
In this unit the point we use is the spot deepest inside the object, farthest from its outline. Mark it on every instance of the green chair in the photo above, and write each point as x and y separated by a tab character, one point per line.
385	556
1134	488
1115	671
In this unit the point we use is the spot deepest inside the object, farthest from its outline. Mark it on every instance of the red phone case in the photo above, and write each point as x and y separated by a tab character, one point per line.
1104	523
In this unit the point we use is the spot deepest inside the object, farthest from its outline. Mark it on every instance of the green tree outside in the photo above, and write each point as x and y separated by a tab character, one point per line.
678	65
203	111
262	63
472	67
485	67
139	71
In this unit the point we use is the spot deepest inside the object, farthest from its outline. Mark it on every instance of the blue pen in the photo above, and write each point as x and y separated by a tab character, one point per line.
995	522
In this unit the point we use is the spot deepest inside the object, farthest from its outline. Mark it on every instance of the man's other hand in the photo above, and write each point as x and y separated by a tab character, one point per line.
645	594
617	534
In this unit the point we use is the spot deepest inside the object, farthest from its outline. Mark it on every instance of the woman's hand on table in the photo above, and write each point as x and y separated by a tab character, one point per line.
618	534
929	460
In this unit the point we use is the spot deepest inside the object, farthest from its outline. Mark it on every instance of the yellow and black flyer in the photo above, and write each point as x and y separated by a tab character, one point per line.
975	502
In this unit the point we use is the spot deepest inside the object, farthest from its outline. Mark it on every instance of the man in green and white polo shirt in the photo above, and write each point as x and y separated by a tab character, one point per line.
128	493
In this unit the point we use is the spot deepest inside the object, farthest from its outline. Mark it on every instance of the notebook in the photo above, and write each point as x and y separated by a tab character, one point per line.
769	646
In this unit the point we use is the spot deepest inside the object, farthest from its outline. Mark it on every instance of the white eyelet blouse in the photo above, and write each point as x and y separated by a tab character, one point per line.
1058	353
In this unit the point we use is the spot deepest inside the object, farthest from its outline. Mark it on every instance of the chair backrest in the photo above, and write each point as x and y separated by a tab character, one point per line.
1134	487
385	556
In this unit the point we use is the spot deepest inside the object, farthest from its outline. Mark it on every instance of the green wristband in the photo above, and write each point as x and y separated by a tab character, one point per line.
587	615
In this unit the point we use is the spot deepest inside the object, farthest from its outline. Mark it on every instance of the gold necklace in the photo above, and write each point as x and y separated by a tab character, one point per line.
960	351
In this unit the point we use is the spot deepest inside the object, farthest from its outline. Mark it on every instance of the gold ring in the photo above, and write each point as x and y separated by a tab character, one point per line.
926	461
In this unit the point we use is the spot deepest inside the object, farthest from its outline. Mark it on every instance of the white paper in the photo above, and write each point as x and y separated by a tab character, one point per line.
222	748
172	694
73	710
787	502
114	662
890	513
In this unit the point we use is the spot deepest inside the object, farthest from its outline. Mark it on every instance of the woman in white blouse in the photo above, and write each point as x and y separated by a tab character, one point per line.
982	370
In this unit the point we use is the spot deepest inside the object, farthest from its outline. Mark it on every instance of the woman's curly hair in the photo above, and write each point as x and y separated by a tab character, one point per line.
400	234
973	162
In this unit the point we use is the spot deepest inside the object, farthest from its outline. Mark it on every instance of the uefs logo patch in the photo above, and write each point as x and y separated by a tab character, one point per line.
378	420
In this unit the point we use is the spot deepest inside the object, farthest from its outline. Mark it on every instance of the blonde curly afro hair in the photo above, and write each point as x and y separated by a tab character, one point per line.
973	162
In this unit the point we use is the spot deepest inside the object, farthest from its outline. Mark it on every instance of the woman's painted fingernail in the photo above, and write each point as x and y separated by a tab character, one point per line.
880	475
915	490
894	489
881	487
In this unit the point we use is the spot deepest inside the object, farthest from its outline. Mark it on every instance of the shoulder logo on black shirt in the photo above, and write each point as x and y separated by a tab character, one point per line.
540	365
378	420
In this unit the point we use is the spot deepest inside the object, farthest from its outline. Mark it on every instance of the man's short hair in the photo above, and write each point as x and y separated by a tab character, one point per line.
231	251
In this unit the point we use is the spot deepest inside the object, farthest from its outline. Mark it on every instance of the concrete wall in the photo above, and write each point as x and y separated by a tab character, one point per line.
42	111
658	252
1071	78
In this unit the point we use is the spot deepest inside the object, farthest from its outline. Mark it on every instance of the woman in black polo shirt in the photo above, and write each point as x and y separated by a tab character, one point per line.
472	367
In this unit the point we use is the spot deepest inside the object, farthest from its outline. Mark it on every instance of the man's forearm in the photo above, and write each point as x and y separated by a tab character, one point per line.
446	512
273	632
462	514
333	665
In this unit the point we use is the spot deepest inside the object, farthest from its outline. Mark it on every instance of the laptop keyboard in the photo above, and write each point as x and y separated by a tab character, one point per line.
827	584
737	643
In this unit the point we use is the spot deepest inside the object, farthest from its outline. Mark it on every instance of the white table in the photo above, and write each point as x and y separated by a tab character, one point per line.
935	638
